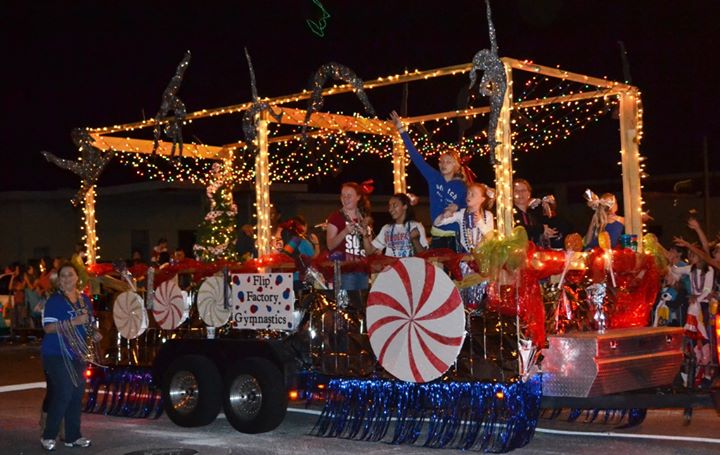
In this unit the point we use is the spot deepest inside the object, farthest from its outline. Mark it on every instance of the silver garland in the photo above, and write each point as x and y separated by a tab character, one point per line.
88	167
493	83
251	115
596	297
171	102
75	348
337	72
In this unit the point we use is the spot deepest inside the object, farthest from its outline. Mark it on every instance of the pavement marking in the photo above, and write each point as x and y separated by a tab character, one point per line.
611	434
305	411
605	434
17	387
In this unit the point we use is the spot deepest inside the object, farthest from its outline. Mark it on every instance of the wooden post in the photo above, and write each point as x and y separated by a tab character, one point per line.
399	183
90	225
262	187
503	170
630	159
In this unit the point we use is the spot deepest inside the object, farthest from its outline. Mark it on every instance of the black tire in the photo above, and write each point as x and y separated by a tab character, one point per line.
191	391
255	399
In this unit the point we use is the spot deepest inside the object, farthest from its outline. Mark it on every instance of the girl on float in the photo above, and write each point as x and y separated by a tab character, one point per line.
446	185
404	237
345	230
471	225
605	219
299	246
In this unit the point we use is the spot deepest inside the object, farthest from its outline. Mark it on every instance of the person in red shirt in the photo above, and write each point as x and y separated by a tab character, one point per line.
345	230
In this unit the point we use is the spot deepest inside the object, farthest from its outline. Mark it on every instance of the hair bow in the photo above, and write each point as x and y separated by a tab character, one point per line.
549	199
490	193
593	201
367	186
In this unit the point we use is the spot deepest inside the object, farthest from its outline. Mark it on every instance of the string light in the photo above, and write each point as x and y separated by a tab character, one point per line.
217	233
569	103
89	223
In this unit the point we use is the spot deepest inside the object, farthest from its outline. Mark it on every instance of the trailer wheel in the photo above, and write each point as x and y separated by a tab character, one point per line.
255	399
190	391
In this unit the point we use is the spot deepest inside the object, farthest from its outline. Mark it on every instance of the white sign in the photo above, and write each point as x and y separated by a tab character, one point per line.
262	301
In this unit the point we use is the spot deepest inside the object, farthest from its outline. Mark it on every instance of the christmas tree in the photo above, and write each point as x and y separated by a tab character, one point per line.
217	234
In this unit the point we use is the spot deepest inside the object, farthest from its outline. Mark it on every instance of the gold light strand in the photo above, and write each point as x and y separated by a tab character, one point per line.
262	187
503	168
89	227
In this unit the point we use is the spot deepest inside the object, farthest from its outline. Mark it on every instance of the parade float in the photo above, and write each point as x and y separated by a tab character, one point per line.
558	328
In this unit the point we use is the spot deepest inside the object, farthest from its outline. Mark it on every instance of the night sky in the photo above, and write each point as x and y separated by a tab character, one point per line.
96	63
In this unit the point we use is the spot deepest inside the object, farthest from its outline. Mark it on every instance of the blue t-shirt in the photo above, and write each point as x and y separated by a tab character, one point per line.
614	230
441	193
57	309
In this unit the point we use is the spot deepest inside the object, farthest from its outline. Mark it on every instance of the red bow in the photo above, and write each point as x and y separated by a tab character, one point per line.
367	186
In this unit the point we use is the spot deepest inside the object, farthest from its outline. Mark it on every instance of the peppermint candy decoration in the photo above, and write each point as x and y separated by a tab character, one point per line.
416	320
170	308
129	315
211	304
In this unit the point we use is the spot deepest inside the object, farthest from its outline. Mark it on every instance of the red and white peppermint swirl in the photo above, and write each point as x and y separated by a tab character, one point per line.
416	320
129	315
170	308
210	302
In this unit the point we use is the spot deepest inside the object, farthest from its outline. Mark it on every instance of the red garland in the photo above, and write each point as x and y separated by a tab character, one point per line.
501	299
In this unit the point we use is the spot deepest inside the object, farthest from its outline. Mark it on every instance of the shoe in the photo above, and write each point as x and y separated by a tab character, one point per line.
80	442
48	444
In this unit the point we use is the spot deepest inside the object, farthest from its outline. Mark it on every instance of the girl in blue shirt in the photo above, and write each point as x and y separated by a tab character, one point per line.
66	320
446	185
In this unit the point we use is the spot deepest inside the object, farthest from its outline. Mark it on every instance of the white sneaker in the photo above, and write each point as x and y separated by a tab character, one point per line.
80	442
48	444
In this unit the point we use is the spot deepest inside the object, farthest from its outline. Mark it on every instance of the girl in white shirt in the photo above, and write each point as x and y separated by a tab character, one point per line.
403	237
473	223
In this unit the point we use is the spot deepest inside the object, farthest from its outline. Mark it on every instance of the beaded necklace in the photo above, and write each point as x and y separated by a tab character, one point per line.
347	217
471	235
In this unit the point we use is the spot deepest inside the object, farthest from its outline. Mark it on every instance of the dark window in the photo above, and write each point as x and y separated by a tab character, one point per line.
140	241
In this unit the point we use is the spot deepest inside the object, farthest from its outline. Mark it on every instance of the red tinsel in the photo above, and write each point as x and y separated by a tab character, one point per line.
501	299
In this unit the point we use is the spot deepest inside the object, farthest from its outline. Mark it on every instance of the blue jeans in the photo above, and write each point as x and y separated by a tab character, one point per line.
65	400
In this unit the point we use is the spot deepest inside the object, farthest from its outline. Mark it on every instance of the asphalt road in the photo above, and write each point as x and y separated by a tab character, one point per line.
662	432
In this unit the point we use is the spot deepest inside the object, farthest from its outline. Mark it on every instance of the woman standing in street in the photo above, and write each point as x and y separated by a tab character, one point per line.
66	347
